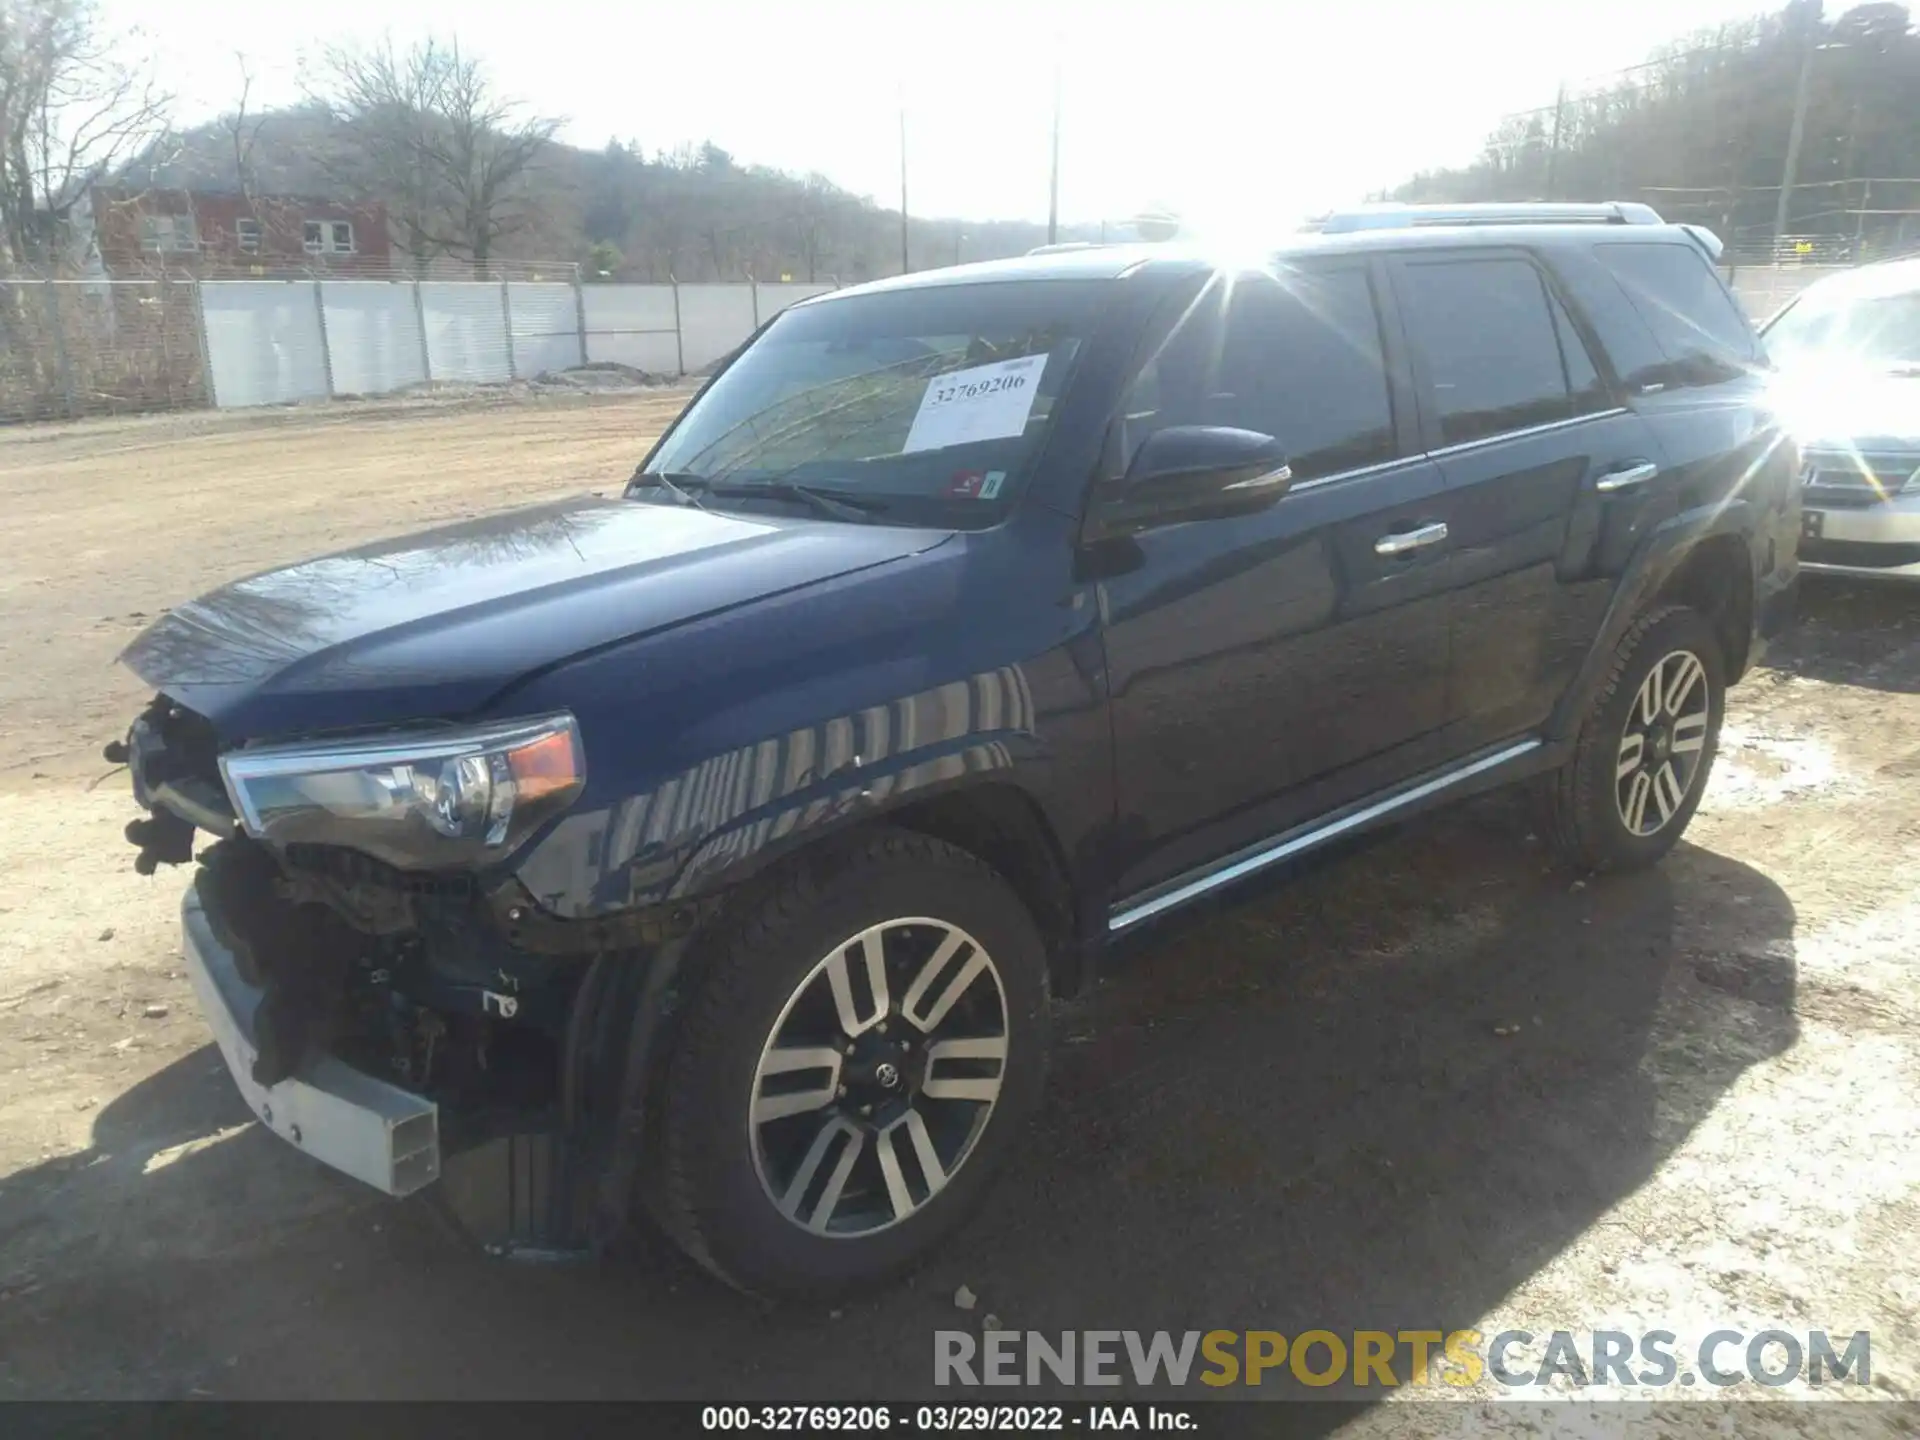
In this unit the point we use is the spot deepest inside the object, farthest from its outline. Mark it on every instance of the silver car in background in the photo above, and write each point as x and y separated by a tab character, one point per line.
1848	351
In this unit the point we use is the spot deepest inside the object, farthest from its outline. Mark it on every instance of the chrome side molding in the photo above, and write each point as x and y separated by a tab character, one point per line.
1122	916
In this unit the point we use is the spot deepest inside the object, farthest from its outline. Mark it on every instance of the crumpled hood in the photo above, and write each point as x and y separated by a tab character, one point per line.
432	625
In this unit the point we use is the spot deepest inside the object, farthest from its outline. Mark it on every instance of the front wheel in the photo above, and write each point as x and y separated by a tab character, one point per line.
867	1038
1645	748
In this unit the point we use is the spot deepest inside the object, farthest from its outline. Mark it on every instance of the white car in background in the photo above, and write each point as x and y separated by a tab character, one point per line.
1848	350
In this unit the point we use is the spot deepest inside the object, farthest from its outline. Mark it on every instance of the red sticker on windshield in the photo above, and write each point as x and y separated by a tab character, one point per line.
975	484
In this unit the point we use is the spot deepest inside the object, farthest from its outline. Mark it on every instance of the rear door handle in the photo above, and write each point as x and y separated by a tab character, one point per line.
1626	477
1405	541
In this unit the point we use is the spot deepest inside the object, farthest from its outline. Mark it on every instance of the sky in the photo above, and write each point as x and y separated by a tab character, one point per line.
1234	115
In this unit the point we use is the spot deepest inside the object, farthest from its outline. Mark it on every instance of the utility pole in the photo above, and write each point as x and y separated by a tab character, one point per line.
1553	152
906	264
1846	176
1053	184
1809	22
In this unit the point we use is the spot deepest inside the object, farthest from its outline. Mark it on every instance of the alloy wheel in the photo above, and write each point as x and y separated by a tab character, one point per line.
1663	743
879	1077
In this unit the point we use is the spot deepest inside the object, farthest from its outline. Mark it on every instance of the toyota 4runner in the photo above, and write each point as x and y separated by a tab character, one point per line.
715	850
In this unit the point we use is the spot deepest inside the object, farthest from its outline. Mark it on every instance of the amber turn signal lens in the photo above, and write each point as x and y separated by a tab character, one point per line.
548	766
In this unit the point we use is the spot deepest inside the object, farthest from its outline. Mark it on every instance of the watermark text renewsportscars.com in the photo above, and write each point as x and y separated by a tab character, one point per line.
1392	1359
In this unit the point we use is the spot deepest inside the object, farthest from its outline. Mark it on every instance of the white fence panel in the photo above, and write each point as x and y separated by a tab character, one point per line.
264	343
632	325
373	336
466	324
713	320
775	298
546	328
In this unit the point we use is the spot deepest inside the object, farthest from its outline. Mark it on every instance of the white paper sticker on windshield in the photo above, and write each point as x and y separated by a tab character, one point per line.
987	402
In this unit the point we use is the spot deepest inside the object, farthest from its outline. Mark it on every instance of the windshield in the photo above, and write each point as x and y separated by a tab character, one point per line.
921	406
1875	331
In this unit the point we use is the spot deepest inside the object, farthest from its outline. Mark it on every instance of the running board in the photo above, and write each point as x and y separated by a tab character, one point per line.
1296	843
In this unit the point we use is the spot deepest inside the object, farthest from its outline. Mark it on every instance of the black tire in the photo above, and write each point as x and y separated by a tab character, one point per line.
708	1193
1586	814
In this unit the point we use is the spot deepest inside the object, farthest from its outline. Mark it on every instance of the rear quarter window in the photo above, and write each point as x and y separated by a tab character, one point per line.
1702	335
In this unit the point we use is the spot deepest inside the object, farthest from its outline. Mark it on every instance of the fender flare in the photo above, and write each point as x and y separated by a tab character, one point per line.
616	1039
1655	561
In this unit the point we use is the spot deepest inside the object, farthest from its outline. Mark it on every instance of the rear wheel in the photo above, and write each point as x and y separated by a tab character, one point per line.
867	1038
1645	749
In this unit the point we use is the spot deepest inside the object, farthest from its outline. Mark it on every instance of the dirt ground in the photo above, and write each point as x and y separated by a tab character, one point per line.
1296	1112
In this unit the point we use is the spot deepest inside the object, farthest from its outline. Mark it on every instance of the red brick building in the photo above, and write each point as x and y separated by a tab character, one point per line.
143	232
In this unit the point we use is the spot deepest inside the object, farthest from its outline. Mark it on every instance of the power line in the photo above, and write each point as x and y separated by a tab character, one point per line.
1594	87
1769	189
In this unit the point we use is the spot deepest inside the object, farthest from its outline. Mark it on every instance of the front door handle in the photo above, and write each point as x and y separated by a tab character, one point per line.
1626	477
1404	541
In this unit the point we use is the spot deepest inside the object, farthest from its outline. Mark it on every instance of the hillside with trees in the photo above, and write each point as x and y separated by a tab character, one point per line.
1702	130
468	176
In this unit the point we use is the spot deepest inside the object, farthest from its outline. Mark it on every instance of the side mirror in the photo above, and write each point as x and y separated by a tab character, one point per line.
1200	472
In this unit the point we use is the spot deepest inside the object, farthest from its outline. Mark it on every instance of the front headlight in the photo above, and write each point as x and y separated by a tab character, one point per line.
432	800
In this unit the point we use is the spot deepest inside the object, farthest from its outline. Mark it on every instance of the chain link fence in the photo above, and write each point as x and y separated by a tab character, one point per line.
1765	290
70	348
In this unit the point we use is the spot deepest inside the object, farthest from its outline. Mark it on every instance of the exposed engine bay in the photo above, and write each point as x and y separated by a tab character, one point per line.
439	984
398	977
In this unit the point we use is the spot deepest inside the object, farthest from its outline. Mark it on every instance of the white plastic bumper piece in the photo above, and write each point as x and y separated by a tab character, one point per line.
363	1127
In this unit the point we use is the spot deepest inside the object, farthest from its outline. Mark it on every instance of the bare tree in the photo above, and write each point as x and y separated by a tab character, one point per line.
425	132
482	149
71	108
663	231
814	205
386	105
244	131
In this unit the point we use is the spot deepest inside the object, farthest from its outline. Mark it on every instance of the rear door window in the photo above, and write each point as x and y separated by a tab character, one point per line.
1294	354
1589	391
1700	328
1487	340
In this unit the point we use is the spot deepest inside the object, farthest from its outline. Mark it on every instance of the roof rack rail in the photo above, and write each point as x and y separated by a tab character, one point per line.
1401	217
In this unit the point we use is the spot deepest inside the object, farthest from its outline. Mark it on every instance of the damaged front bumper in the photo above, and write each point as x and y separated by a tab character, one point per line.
361	1126
417	1030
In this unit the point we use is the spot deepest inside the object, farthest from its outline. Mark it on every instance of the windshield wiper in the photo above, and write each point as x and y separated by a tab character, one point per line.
687	488
837	504
683	485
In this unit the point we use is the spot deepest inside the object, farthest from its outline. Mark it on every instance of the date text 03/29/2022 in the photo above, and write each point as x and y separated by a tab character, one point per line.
942	1419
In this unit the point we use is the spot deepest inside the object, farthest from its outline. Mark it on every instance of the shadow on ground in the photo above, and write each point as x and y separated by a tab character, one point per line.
1295	1113
1854	632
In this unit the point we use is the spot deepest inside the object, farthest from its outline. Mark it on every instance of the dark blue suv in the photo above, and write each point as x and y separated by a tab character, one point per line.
716	849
